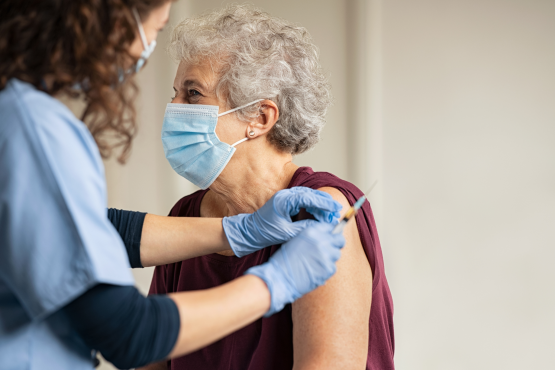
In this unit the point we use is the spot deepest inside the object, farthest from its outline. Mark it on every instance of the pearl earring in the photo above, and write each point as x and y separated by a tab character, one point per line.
251	133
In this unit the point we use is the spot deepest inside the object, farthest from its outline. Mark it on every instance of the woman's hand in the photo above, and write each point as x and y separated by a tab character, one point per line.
272	223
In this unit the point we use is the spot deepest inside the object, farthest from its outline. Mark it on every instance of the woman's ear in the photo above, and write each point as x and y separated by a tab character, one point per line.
261	125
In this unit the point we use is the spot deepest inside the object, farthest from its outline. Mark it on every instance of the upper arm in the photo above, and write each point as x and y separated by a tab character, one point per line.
330	324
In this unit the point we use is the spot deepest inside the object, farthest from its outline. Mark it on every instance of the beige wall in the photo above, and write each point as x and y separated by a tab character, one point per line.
469	172
451	104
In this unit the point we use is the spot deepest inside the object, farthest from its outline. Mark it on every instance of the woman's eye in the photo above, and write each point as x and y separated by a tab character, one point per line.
193	92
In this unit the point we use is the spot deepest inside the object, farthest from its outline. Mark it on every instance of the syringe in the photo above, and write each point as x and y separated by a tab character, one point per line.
351	212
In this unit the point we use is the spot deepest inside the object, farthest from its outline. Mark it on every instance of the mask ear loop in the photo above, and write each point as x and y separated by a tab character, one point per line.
236	109
241	107
140	27
240	141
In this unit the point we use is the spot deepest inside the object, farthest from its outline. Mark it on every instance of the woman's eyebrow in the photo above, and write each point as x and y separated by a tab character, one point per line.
193	83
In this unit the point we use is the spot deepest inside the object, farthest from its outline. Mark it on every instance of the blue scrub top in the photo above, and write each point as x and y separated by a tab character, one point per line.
55	238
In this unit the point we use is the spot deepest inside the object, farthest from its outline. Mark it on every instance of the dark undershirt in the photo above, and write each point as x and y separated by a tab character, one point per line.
130	227
127	328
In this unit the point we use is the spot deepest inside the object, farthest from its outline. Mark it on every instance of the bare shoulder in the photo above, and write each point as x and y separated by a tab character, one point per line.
330	324
338	196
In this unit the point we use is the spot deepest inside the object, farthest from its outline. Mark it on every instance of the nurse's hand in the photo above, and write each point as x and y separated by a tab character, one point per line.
300	265
272	224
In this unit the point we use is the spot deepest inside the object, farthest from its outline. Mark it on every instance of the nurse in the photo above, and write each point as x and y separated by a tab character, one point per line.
65	287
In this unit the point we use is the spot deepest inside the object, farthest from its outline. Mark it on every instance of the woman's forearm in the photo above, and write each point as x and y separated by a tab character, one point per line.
156	240
230	307
171	239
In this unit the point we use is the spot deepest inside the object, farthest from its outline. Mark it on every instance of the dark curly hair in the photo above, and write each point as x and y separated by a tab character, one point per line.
75	42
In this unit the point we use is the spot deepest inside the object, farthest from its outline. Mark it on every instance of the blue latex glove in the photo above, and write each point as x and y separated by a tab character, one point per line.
300	265
272	224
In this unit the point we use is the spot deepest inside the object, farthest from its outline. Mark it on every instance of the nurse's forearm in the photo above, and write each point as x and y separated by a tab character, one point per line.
209	315
171	239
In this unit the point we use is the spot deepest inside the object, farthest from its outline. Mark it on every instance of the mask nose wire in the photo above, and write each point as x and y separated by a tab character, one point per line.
140	27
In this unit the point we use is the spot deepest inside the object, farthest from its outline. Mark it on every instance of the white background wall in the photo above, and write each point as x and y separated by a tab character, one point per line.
451	104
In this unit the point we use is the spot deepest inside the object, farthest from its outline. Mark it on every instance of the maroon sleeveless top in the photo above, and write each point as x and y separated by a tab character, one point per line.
268	342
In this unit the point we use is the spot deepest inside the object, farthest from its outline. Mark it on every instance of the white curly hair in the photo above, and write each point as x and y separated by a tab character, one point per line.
260	57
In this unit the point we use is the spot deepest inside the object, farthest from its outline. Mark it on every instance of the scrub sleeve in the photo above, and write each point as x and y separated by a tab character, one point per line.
55	239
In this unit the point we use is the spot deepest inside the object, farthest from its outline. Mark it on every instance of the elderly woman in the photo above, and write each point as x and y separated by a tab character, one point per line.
239	56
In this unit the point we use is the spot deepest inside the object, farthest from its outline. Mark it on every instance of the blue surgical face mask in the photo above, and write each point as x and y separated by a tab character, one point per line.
191	144
148	49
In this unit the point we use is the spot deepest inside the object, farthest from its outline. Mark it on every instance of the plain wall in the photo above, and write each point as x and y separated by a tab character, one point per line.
469	172
451	105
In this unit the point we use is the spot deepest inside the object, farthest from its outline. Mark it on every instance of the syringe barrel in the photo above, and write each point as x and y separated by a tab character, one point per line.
340	226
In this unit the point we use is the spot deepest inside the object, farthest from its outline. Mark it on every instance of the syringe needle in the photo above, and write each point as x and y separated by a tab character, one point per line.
351	212
371	187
